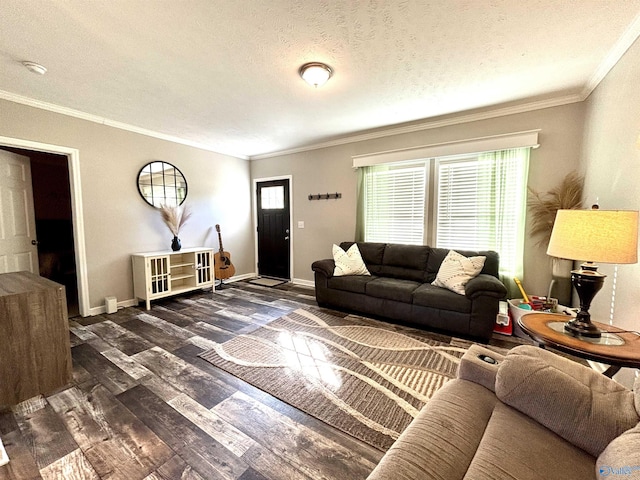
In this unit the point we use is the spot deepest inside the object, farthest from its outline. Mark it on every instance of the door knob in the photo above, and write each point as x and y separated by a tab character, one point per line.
34	242
286	238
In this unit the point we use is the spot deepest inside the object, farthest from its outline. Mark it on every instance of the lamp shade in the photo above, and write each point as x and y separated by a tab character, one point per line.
603	236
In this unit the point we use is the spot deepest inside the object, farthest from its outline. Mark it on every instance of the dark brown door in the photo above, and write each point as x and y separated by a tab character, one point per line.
273	229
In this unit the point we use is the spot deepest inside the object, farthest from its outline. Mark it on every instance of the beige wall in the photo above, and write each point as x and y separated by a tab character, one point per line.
329	170
117	221
612	161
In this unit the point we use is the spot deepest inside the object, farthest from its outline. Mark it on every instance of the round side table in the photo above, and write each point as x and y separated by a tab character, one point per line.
615	347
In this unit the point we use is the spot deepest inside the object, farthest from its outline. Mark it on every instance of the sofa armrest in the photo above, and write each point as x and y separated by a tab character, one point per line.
325	267
476	366
582	406
486	285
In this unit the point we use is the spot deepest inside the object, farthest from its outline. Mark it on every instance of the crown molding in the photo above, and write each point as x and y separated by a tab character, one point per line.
431	124
623	44
361	137
31	102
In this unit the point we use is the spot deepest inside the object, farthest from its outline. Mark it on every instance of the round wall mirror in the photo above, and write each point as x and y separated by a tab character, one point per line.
161	183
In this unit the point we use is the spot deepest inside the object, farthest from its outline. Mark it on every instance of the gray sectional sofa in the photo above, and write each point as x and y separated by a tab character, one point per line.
531	415
399	288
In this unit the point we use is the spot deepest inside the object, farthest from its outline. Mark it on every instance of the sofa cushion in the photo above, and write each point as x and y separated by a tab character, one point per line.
351	283
391	289
441	442
371	254
427	295
515	446
622	456
349	262
456	270
538	383
408	262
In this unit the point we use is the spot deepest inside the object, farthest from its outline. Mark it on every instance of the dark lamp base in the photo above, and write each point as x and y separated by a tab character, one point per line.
583	329
587	282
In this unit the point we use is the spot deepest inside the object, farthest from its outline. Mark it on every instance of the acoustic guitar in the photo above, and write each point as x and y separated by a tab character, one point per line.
222	261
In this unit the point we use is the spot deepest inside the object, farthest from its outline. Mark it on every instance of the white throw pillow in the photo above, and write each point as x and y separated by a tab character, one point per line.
349	262
456	270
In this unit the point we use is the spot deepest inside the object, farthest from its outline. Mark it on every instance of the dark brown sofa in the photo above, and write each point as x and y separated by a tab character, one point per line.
399	288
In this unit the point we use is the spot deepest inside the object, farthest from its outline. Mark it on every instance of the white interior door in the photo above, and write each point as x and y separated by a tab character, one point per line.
18	246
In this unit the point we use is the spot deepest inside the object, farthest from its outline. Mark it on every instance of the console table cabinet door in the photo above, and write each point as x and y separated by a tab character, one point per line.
158	272
35	353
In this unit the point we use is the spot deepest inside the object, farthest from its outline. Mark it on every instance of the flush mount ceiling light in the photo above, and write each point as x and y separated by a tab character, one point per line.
35	67
315	73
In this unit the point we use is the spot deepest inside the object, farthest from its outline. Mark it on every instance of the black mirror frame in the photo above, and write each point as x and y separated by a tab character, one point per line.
164	168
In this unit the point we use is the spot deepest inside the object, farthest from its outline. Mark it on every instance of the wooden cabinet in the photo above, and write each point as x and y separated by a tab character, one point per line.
35	355
161	274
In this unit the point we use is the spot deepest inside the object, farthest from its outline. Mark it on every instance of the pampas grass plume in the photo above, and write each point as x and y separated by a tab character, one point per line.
174	217
543	207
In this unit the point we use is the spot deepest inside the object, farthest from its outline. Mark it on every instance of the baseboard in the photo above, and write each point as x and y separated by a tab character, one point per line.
103	308
303	283
244	276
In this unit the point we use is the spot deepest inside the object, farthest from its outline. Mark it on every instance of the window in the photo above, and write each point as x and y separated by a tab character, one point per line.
272	198
481	205
393	200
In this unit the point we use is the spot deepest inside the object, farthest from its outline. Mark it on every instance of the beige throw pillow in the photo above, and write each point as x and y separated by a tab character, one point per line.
456	270
349	262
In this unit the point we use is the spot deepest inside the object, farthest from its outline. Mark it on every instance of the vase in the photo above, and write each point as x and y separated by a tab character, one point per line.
175	244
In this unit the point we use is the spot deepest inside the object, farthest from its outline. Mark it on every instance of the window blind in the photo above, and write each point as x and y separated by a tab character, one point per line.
394	203
481	204
461	194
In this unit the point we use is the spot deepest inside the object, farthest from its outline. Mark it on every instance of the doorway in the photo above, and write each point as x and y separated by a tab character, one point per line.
273	228
53	221
71	157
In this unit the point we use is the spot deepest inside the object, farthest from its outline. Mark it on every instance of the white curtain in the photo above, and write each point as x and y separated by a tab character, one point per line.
507	172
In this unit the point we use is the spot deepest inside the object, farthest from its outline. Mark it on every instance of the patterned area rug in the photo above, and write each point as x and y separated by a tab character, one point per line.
366	378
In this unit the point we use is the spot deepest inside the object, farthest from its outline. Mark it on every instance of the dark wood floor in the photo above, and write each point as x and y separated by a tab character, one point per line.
143	405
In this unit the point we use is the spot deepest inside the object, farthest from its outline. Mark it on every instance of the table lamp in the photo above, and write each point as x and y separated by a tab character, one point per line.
605	236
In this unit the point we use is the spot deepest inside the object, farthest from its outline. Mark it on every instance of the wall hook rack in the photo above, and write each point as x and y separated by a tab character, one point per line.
325	196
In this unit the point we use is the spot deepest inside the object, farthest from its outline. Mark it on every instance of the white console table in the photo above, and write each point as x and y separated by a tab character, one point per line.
165	273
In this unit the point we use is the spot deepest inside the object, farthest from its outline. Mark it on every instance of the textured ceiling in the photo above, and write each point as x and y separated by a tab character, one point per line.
223	74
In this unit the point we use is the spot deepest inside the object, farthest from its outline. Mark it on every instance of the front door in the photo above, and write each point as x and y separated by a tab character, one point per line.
272	199
18	246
